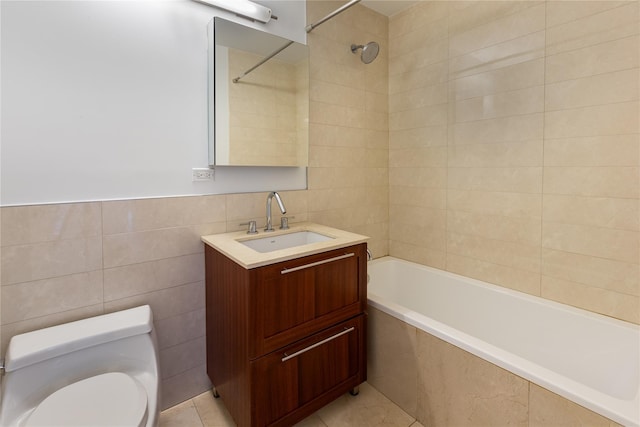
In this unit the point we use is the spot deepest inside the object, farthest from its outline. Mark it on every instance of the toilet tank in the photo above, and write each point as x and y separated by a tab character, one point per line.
37	346
40	362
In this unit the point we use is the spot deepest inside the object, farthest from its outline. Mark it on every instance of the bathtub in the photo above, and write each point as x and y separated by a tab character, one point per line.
584	357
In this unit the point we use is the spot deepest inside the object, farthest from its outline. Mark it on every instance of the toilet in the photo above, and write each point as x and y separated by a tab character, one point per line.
100	371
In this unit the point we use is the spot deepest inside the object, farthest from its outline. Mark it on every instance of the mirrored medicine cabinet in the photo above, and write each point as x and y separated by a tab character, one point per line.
259	116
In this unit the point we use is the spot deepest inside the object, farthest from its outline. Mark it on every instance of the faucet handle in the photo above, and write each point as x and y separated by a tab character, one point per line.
284	222
252	227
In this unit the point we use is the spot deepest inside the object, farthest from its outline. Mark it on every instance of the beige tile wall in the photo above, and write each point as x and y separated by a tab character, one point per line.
348	157
514	147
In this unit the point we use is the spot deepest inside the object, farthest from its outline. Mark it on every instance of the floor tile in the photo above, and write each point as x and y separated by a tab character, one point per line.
369	408
182	415
212	411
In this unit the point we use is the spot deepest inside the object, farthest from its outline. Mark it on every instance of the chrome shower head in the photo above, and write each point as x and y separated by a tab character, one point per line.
369	51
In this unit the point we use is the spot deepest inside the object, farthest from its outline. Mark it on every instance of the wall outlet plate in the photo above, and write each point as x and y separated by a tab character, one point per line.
203	174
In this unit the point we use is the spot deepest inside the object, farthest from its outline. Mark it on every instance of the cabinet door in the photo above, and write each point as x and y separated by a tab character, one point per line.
296	298
294	382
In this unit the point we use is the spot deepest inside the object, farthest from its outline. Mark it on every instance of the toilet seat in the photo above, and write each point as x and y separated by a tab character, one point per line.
112	399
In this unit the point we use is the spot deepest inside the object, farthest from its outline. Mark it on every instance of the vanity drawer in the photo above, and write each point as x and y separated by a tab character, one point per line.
296	298
305	376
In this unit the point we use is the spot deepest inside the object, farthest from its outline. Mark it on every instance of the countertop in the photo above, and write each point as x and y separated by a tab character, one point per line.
229	244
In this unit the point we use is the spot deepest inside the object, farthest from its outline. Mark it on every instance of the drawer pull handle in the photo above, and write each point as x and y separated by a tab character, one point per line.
313	264
304	350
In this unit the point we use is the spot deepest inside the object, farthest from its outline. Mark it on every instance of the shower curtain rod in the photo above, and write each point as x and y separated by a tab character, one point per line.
274	53
341	9
308	29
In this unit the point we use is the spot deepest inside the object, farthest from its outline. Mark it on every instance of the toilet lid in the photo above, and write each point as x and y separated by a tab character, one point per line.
113	399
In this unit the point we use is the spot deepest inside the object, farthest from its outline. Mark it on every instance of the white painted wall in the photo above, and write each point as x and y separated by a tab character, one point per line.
108	100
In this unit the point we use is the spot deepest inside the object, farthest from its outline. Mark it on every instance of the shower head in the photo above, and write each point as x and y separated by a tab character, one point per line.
369	51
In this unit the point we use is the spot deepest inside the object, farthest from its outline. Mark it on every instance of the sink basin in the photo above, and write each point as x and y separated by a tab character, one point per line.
285	241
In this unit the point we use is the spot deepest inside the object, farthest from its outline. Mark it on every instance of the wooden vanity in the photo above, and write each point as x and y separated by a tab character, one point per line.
286	330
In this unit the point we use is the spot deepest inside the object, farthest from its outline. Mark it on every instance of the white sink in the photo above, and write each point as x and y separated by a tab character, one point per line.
285	241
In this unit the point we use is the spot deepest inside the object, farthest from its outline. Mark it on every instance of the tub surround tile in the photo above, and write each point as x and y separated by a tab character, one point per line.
465	15
429	54
618	245
417	197
608	212
508	254
508	229
621	54
498	30
418	253
609	88
608	150
616	276
593	29
501	154
498	179
418	235
421	97
563	12
414	17
608	119
618	182
517	205
593	298
504	104
424	136
528	127
428	75
496	273
547	408
408	42
502	80
522	49
457	388
392	355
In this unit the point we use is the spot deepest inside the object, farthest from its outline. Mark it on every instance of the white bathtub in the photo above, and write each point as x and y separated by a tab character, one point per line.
589	359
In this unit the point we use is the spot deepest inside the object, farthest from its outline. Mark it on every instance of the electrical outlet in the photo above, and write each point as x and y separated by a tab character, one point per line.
203	174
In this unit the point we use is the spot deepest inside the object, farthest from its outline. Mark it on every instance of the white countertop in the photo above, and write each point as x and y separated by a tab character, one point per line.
229	244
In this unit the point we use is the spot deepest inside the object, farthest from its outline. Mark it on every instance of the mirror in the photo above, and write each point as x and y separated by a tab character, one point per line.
257	116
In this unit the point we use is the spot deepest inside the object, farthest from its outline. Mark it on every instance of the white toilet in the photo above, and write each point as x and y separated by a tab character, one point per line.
101	371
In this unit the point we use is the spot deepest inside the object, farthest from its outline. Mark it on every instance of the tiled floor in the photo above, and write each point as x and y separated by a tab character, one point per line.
368	409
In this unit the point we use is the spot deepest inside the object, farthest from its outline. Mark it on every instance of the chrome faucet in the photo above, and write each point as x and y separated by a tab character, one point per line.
271	195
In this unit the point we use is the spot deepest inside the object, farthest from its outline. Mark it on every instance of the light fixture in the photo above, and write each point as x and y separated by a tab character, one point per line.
244	8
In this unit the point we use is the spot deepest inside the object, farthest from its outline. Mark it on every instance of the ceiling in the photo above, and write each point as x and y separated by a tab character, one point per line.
388	7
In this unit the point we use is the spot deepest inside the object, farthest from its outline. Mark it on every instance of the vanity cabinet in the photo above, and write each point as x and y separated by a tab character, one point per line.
285	339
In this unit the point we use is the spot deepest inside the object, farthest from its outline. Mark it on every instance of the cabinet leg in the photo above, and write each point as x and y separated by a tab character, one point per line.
354	391
215	392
